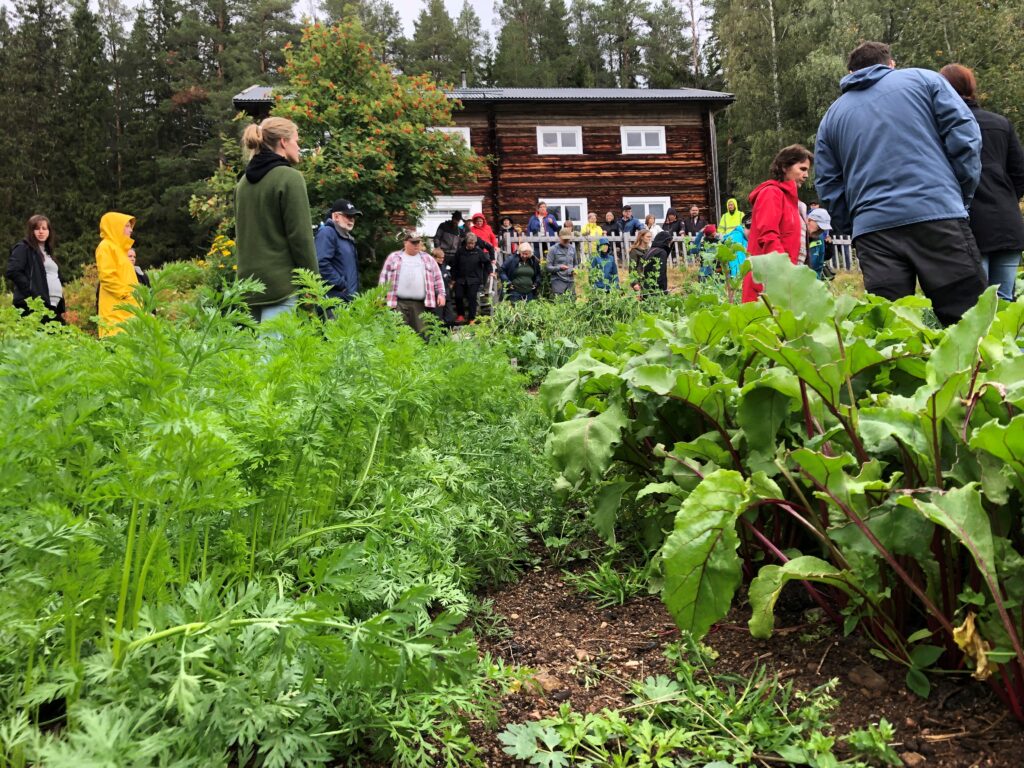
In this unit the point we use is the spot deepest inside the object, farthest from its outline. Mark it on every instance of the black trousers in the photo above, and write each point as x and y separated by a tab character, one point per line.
942	255
465	298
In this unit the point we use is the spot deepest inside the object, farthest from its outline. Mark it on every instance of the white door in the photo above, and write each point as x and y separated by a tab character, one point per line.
442	210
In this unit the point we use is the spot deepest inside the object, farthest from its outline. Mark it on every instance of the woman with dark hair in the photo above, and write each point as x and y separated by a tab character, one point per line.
33	271
995	212
775	214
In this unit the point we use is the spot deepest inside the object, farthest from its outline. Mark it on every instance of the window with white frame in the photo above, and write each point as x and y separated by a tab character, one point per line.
559	140
562	208
459	130
642	206
643	139
444	207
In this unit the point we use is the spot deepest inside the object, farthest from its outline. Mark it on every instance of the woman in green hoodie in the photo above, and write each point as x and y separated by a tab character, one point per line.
731	219
274	230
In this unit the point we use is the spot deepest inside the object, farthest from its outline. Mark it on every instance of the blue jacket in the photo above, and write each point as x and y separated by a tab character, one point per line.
533	227
339	264
898	147
604	273
630	226
738	236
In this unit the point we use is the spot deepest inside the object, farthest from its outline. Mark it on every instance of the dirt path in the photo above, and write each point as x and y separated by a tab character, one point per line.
586	656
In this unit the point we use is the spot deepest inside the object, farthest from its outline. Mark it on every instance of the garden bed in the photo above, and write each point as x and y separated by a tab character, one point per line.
584	656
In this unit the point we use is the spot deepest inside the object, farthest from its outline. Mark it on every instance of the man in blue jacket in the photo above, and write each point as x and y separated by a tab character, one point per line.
336	251
897	161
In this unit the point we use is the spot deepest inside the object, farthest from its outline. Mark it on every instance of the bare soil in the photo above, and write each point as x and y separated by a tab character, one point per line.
587	656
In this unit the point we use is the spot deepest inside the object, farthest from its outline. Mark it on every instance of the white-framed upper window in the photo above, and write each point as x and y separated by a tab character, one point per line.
443	208
559	140
562	208
642	206
460	130
643	139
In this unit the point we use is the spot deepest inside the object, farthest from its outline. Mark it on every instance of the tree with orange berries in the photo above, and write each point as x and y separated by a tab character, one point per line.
366	130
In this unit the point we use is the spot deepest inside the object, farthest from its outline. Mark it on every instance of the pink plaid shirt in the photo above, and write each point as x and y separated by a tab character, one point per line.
389	277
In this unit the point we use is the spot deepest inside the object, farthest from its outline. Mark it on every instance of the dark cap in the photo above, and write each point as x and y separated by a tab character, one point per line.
456	215
344	206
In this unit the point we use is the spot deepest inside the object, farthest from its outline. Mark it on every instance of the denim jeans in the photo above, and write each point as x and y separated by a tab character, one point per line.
270	311
1001	271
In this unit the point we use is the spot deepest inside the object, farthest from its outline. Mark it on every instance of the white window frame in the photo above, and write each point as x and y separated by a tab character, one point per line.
645	201
643	149
442	209
561	130
461	130
562	202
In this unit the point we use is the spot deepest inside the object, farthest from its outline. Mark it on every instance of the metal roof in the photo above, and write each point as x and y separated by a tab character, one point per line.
254	94
588	94
262	94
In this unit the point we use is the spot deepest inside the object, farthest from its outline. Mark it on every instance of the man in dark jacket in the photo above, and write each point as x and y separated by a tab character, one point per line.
627	224
897	161
336	251
471	266
449	235
694	223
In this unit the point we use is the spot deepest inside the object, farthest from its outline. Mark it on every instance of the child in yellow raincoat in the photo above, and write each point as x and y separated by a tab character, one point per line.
117	275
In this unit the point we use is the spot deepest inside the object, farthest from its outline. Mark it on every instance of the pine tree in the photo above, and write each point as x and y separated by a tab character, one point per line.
520	58
87	108
473	48
435	45
666	62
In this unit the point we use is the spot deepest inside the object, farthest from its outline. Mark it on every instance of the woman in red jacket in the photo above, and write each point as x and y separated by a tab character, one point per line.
775	211
484	233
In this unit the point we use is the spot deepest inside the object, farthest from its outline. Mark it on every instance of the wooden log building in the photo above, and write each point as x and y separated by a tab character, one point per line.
579	150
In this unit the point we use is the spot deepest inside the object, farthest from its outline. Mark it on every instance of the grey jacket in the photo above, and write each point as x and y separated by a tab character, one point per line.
562	255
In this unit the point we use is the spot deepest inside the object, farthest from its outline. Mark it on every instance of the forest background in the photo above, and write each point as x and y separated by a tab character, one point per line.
124	107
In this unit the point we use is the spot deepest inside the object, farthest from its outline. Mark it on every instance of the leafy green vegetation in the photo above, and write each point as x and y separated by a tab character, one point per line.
847	445
695	718
228	546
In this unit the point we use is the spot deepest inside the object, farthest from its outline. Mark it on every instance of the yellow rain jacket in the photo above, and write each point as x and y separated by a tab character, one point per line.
117	275
730	221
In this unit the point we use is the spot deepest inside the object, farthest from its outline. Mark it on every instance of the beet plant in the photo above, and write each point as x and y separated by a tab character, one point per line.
847	445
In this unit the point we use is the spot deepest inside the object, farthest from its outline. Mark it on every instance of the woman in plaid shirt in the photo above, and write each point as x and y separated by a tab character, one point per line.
414	282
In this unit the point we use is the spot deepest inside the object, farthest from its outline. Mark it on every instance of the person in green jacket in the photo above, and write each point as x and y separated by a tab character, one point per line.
731	219
273	226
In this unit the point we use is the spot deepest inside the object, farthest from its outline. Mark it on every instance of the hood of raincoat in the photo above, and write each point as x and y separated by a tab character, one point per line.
112	229
863	79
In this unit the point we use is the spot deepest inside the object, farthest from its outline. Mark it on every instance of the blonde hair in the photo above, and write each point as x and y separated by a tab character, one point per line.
267	135
525	247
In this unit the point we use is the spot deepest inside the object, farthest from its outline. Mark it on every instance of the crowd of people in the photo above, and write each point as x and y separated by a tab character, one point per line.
927	183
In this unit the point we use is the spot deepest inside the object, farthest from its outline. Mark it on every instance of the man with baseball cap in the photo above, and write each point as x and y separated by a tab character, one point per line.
414	282
562	265
336	251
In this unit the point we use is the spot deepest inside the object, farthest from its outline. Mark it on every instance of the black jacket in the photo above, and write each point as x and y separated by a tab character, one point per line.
611	228
652	266
470	264
448	238
995	214
25	270
692	227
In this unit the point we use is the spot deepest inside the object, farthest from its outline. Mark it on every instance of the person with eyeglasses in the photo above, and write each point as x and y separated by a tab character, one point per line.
414	282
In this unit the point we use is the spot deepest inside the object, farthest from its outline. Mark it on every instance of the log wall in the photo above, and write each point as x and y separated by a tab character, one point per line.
507	133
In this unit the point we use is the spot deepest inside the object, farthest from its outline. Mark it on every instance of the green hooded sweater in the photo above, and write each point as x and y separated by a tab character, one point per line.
273	229
730	221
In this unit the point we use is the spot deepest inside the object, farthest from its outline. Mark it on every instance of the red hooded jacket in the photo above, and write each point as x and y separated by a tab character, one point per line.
484	232
774	227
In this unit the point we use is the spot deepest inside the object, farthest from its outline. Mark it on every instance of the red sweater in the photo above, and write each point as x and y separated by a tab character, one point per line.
774	227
